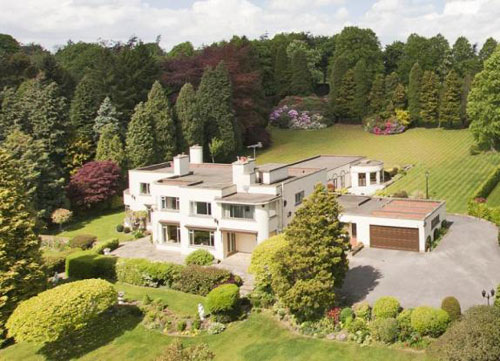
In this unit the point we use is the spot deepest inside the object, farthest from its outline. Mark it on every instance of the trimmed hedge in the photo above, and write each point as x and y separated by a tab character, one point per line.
429	321
497	296
142	272
224	298
56	261
384	329
201	280
488	185
200	257
83	241
452	307
88	264
386	307
54	313
112	244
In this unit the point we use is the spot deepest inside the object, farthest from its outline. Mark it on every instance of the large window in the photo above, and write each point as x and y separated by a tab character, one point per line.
171	203
199	237
201	208
362	179
299	197
144	188
435	221
373	177
239	211
171	233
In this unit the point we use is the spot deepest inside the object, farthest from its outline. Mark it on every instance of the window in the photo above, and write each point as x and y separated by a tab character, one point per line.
342	181
435	221
361	179
170	203
144	188
201	238
335	183
272	208
382	176
231	242
299	197
201	208
373	177
171	233
239	211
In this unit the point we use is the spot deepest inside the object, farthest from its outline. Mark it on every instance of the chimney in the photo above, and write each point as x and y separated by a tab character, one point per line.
196	154
243	173
181	165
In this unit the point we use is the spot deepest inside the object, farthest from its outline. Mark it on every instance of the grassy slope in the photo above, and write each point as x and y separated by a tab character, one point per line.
454	173
494	197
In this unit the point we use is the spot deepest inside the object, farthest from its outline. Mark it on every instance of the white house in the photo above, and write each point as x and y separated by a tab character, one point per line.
228	208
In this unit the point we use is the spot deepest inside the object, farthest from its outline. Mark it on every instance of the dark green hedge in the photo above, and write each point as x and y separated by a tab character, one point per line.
488	185
201	280
88	264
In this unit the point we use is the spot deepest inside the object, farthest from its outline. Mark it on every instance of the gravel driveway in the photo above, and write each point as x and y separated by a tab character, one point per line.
466	261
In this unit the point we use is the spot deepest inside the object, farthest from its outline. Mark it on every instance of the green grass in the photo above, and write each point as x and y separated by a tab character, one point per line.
454	173
494	197
101	225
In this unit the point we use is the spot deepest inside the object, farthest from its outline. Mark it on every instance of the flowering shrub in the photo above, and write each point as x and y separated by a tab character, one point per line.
284	117
377	125
334	315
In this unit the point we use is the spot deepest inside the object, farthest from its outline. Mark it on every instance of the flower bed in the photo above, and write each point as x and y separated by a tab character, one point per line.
378	126
300	113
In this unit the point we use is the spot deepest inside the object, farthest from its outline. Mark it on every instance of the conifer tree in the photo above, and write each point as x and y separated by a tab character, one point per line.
362	81
140	147
429	98
345	98
190	123
377	94
414	90
106	114
339	68
9	112
282	72
391	83
399	97
21	272
488	48
110	146
301	80
450	111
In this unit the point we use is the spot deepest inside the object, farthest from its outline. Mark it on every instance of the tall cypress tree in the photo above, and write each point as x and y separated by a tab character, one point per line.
399	97
377	94
215	107
301	80
449	112
345	99
190	123
429	98
282	72
110	146
106	115
140	146
414	90
391	83
362	81
339	68
21	272
160	112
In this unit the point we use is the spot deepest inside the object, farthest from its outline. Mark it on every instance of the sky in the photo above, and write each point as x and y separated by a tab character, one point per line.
53	22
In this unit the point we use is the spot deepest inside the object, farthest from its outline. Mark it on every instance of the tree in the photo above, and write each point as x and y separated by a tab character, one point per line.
158	110
339	68
464	57
429	98
94	183
449	112
391	82
345	98
482	105
215	107
488	48
215	148
301	81
140	143
414	90
392	55
314	263
182	49
61	216
190	123
312	58
377	94
399	97
110	146
21	271
106	115
282	72
362	92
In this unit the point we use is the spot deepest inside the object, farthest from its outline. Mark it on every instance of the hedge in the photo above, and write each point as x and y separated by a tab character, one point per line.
386	307
488	185
56	261
223	298
142	272
200	257
429	321
83	241
201	280
54	313
88	264
112	244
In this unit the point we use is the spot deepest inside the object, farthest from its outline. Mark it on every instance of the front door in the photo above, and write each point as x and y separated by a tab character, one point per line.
231	242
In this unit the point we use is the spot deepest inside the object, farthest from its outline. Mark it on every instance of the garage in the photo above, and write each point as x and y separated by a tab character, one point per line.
399	238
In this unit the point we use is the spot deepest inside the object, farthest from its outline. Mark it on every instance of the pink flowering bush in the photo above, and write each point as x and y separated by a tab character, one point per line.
300	113
377	125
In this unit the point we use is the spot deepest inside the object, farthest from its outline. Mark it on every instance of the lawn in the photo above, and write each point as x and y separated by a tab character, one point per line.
454	173
260	337
494	197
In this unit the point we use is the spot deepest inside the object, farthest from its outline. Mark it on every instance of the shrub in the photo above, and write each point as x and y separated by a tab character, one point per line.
223	299
55	261
61	216
120	228
452	307
429	321
476	336
404	324
61	310
88	264
112	244
196	325
358	324
384	329
181	326
177	352
345	314
126	230
262	260
200	257
83	241
201	280
216	328
497	294
142	272
362	310
386	307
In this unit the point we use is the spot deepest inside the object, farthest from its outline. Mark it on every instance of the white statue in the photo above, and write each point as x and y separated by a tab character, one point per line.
201	311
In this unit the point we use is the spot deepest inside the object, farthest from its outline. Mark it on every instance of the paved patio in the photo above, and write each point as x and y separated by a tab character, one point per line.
466	261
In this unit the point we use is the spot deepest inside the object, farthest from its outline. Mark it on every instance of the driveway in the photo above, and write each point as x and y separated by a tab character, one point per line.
466	261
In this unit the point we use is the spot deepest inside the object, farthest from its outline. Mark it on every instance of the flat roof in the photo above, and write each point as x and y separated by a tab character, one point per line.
205	175
326	161
268	167
247	198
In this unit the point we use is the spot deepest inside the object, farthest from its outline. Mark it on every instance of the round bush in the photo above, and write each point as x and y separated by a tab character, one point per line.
358	324
223	299
404	324
345	314
384	330
200	257
126	229
59	311
476	336
429	321
452	307
386	307
362	310
119	228
83	241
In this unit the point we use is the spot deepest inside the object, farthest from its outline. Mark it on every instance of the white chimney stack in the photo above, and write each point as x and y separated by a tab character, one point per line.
181	165
196	154
243	173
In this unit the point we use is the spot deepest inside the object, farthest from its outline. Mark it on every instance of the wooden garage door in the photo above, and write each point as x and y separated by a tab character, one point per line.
394	238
